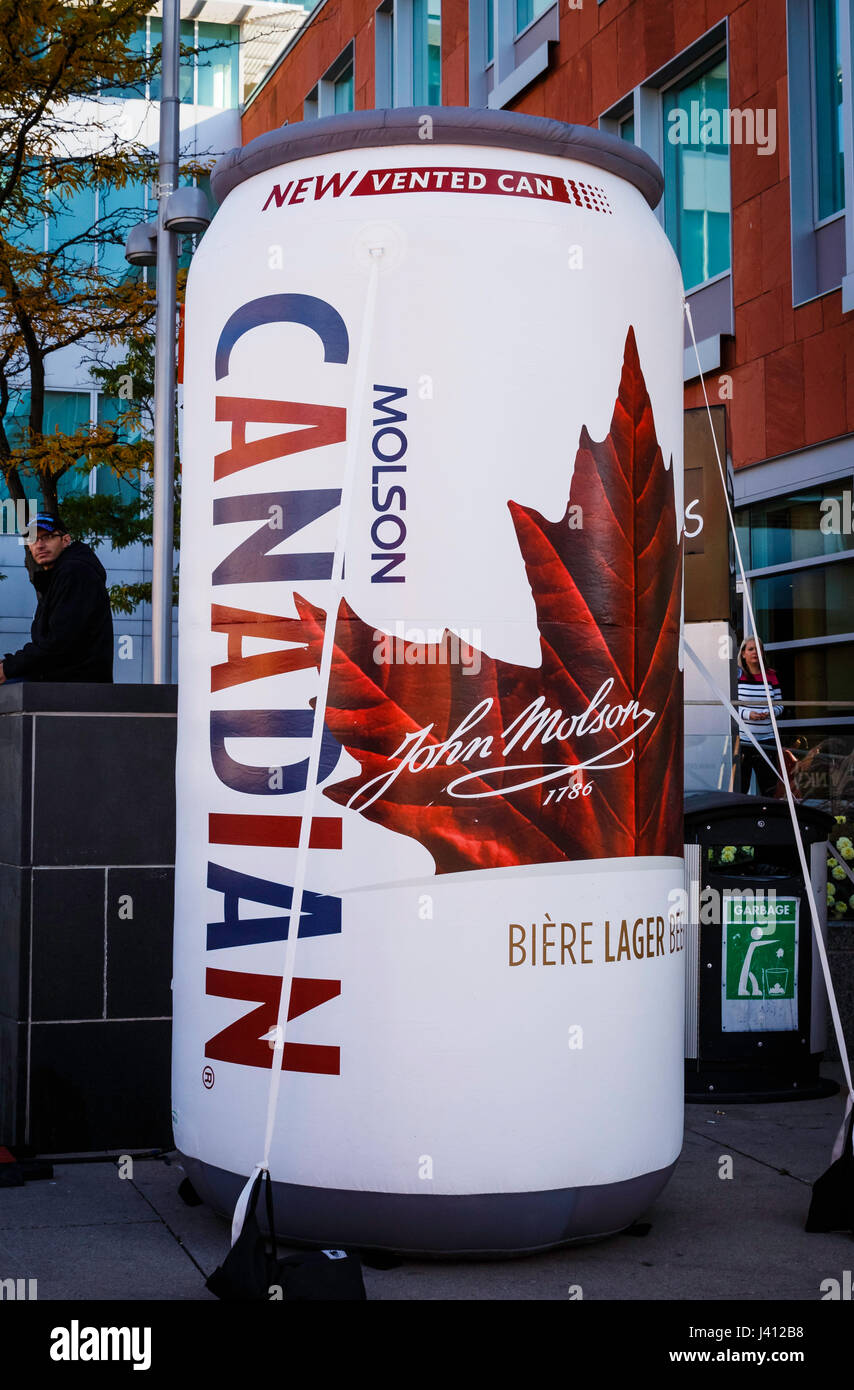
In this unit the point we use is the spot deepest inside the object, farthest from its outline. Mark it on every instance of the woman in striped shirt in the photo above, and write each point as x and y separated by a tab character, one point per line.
753	715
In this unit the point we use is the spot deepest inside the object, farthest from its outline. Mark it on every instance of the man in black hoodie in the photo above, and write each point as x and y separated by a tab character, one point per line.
72	632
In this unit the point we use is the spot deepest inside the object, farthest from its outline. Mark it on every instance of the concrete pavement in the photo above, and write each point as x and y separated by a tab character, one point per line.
90	1234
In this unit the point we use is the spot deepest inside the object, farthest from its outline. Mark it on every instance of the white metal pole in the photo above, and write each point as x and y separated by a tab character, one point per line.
165	339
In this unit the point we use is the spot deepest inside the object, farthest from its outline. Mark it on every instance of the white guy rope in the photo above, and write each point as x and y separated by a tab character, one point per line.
816	924
276	1036
835	854
732	711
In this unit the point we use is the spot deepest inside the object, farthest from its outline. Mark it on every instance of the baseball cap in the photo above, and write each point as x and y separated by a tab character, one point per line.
42	522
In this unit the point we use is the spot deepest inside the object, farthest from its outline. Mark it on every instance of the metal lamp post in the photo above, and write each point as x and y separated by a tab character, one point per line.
164	356
179	210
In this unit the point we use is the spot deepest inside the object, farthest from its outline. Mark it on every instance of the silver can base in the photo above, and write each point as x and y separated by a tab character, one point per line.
473	1226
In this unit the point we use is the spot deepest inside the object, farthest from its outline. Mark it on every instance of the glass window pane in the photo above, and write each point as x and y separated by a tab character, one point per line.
828	107
742	527
219	50
825	776
426	52
136	47
811	522
627	129
385	24
188	62
529	10
71	223
110	410
15	423
28	230
119	209
74	483
490	30
16	419
696	173
185	71
67	412
343	91
811	677
814	602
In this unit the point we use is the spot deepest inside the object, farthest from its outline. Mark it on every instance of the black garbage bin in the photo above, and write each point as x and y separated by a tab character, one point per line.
755	1017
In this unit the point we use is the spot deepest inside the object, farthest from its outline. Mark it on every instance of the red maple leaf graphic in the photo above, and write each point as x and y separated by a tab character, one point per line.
607	596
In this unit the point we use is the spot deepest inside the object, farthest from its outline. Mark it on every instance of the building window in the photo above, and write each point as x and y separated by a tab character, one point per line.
696	172
89	225
73	412
800	564
71	218
218	65
509	46
788	529
209	76
66	412
118	210
335	91
679	116
384	64
821	149
105	482
343	91
426	52
409	53
529	10
138	44
804	603
827	78
186	83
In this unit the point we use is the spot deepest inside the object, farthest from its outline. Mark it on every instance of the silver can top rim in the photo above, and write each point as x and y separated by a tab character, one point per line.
451	125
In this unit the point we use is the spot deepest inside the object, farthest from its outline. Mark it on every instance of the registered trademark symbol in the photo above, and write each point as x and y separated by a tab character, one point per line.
208	1078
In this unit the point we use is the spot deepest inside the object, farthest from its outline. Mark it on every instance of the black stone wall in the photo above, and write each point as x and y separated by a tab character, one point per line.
87	850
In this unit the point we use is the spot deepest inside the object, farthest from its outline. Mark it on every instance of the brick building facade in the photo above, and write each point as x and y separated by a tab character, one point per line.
792	366
755	206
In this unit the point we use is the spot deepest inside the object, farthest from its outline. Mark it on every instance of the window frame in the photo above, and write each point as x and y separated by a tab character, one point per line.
518	57
531	22
409	5
130	95
385	55
394	35
815	466
822	249
697	69
239	72
320	101
94	395
711	301
818	222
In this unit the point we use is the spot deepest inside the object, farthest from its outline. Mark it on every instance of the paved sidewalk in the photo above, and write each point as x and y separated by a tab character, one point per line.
89	1234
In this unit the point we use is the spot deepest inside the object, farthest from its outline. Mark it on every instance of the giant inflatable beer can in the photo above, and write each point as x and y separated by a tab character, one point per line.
429	765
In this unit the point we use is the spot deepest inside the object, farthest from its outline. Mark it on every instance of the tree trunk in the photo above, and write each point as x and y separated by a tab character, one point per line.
48	488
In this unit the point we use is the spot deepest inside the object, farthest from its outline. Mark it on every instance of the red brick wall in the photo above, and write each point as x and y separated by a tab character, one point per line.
455	52
316	48
792	370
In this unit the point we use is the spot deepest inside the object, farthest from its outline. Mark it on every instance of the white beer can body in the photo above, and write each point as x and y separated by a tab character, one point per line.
429	622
